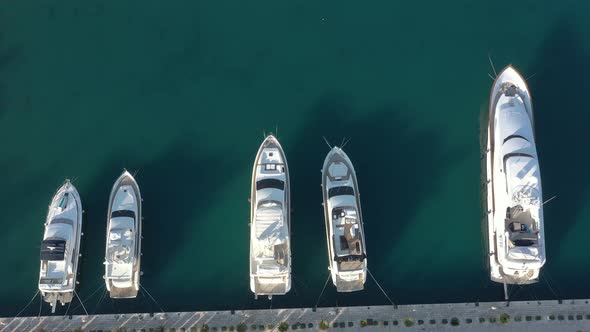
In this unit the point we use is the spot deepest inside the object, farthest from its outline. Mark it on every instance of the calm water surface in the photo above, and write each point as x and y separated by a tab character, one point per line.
183	92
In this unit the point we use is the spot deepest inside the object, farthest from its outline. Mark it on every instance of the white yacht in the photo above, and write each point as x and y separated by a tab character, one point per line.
270	243
514	196
123	246
60	249
344	223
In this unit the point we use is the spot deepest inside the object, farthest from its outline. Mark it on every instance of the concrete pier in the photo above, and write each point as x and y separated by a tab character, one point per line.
565	315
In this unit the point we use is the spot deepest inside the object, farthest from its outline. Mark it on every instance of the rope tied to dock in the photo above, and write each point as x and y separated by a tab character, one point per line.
151	297
102	297
323	289
28	304
381	288
79	299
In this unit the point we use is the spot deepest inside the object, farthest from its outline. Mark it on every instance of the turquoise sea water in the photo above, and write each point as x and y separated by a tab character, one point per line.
182	91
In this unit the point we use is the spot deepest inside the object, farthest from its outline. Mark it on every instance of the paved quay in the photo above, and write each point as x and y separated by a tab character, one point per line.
564	315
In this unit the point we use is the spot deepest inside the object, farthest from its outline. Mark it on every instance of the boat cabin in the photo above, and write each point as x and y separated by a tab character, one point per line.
348	247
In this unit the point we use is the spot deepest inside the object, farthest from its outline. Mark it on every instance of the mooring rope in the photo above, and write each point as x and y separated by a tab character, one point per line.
323	289
96	290
381	288
91	295
151	297
97	305
68	308
546	275
28	304
83	307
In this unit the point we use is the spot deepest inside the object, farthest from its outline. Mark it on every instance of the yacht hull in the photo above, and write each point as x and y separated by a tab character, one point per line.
123	250
270	221
343	216
510	136
61	247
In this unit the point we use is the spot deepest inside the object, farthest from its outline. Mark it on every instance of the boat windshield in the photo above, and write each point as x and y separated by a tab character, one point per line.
270	183
123	213
341	190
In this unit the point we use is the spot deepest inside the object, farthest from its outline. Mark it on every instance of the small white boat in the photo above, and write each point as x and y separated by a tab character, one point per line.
344	223
270	243
60	249
514	195
123	246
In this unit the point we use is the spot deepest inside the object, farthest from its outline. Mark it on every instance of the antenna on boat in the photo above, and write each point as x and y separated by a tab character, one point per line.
530	76
506	291
326	140
276	131
549	200
345	142
263	133
492	64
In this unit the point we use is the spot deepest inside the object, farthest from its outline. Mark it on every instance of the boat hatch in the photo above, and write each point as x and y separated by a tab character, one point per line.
63	203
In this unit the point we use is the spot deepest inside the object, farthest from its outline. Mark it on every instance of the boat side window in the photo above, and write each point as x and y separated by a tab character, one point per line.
514	136
523	243
61	221
350	258
269	203
270	183
341	190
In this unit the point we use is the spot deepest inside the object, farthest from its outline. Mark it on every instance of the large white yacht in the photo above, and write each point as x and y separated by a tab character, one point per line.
60	249
270	247
344	223
123	246
514	196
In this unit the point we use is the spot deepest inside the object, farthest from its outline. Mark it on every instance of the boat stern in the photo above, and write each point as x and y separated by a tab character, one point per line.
269	286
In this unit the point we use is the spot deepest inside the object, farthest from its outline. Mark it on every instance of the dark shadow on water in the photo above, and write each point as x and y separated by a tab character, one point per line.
177	188
562	118
559	88
397	168
562	121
